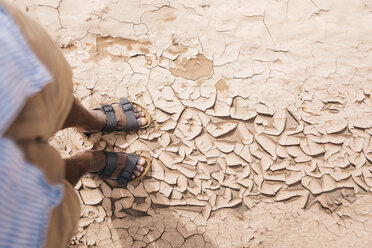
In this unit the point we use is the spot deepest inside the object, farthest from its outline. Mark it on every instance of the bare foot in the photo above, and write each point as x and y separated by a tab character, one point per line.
120	117
100	160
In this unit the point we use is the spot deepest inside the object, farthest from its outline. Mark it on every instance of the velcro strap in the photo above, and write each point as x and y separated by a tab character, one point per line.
127	107
112	158
111	124
107	108
127	172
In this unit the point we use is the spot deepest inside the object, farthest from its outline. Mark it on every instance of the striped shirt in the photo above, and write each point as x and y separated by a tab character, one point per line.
26	198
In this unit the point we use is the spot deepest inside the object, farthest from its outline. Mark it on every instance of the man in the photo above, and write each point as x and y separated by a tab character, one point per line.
38	206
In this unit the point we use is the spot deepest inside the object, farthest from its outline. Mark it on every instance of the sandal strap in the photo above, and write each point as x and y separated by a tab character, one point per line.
111	124
112	158
128	110
127	172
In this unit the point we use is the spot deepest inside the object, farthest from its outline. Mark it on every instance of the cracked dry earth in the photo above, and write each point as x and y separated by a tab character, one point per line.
262	119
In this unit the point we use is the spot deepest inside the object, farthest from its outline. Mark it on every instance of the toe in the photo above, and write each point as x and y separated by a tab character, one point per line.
142	121
136	110
141	161
139	168
139	114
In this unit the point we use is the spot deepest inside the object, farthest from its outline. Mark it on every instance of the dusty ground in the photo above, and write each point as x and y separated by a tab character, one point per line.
262	119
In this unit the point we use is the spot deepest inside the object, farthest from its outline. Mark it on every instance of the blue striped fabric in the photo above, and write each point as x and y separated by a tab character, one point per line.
21	73
26	199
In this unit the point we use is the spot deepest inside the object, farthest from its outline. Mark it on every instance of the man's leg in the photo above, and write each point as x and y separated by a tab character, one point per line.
95	161
95	120
81	118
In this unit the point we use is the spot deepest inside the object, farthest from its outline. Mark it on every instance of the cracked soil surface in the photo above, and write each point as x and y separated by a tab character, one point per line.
262	119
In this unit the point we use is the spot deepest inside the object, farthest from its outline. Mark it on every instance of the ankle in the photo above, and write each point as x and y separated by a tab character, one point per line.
100	120
81	159
95	123
98	161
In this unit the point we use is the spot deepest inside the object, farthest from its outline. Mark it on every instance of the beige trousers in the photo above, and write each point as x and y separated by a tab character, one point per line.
42	116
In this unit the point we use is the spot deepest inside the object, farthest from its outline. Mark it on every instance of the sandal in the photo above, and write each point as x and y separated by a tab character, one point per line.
128	109
127	172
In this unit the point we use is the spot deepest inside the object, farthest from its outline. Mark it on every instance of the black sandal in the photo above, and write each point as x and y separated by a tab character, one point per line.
127	172
128	109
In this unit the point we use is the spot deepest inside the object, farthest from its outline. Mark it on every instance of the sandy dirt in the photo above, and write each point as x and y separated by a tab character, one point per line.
262	119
